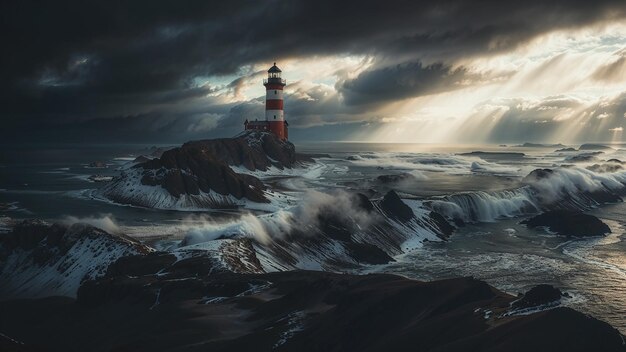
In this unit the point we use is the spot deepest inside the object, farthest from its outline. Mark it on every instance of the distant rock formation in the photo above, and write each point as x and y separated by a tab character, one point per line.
494	155
590	146
565	150
540	145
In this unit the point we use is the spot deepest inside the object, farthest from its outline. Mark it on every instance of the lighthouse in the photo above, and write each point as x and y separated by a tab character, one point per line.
274	113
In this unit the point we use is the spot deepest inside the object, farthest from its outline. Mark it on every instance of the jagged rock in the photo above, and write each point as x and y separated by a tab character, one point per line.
565	150
446	229
191	169
141	159
254	150
569	223
199	173
395	208
39	259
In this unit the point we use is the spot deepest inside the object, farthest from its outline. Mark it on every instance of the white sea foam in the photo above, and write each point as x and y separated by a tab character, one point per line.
571	188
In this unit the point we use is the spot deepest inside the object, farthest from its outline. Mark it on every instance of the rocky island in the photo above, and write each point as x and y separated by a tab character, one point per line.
200	174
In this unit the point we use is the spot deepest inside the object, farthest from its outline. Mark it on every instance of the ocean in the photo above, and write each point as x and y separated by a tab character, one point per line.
52	182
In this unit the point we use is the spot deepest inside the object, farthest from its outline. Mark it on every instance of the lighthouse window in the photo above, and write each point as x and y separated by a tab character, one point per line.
274	117
275	92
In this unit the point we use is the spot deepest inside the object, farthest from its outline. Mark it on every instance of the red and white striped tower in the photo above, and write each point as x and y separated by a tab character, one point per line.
274	113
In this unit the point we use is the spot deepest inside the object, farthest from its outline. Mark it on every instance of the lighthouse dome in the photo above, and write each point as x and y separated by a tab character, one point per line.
274	69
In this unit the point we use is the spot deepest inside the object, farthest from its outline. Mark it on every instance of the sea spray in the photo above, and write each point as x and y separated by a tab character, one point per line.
570	188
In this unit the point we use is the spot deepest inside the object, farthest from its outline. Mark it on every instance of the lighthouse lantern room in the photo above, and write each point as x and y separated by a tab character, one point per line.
274	114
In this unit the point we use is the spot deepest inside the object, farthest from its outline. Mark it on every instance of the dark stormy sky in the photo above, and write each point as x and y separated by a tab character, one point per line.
403	71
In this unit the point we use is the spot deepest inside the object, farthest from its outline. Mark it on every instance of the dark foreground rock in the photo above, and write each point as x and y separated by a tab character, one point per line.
39	259
569	223
295	311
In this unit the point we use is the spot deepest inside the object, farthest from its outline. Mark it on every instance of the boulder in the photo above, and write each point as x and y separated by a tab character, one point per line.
569	223
539	295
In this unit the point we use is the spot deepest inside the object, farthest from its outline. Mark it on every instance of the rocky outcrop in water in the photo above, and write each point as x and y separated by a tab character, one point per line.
395	178
569	223
591	146
199	174
494	155
570	149
538	296
253	150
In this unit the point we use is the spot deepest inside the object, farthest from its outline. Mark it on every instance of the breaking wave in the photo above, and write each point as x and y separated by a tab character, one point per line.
486	206
542	189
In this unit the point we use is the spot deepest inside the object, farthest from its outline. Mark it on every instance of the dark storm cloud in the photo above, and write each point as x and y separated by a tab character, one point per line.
72	61
400	82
